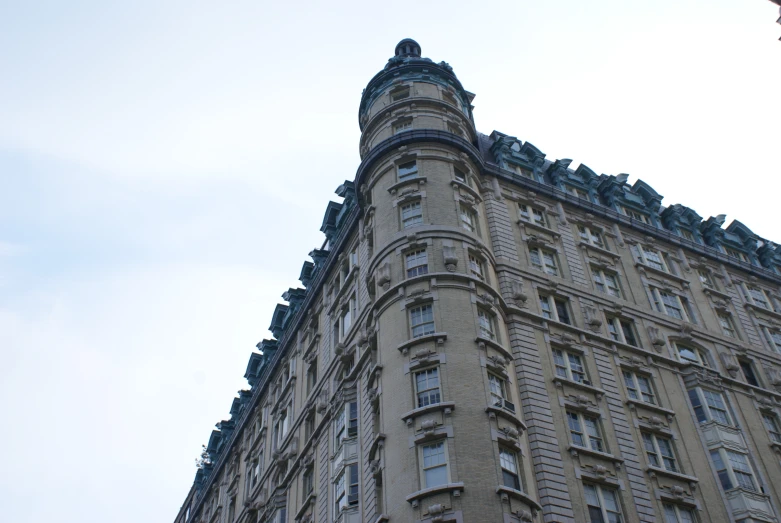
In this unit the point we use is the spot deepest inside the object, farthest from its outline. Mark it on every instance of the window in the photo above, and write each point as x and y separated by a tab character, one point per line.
455	129
459	175
569	366
757	296
280	516
773	338
417	263
411	214
308	481
686	234
346	488
554	309
544	260
773	429
309	426
509	463
352	419
727	326
638	387
659	451
705	279
253	475
485	321
281	427
434	457
635	215
592	237
421	320
498	389
733	469
591	437
347	316
476	267
427	387
603	504
580	193
352	259
694	355
622	331
737	255
311	376
709	406
467	217
232	508
678	514
401	126
520	171
408	170
748	372
530	214
606	282
400	94
650	257
671	304
339	425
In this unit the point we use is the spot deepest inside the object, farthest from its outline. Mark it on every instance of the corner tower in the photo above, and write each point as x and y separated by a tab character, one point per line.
446	400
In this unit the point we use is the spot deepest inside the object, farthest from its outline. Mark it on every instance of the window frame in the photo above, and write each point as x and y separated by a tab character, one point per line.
534	215
658	260
587	235
604	512
594	442
549	267
702	355
635	215
552	309
706	279
486	324
510	467
770	339
655	455
727	325
465	211
750	297
729	469
563	366
429	391
772	425
617	330
476	266
749	372
662	306
401	125
600	278
409	220
636	389
676	512
704	409
427	320
424	468
420	259
409	173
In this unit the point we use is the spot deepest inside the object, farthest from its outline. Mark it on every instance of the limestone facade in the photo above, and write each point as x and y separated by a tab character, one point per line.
491	336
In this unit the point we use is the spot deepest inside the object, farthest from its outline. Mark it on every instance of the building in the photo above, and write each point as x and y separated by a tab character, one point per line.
488	335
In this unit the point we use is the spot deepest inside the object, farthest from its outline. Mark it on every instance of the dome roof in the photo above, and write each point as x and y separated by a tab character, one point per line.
408	47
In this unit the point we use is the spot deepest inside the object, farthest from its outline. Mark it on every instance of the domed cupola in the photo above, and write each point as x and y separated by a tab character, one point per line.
408	47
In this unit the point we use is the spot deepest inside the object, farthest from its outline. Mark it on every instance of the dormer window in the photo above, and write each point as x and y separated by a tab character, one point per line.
735	254
579	193
634	214
686	234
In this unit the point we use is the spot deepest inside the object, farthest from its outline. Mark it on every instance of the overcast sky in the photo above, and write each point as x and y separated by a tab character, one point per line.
165	166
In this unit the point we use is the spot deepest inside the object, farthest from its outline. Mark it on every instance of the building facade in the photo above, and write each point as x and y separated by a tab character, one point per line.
488	335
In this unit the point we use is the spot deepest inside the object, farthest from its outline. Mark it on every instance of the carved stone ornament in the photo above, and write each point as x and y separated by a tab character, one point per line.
524	515
384	276
730	362
774	376
451	260
656	338
428	426
519	296
437	513
592	317
510	432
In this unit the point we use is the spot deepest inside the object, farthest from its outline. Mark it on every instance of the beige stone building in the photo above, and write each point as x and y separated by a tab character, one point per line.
488	335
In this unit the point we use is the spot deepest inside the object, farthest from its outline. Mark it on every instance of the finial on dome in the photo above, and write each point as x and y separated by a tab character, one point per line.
408	47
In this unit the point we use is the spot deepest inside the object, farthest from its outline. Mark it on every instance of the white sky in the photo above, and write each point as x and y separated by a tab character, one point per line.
164	168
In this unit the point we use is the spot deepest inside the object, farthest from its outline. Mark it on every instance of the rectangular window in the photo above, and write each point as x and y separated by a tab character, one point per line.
686	234
307	481
694	355
554	309
411	215
417	263
603	504
569	366
592	237
309	427
530	214
727	326
421	320
659	451
773	338
339	426
758	297
578	193
434	458
352	419
476	267
639	387
584	430
402	126
509	462
678	514
283	427
748	372
622	331
499	395
733	469
311	376
737	255
400	94
467	217
606	282
346	488
427	388
459	175
772	426
485	321
253	475
709	406
671	304
650	257
706	279
544	260
635	215
408	170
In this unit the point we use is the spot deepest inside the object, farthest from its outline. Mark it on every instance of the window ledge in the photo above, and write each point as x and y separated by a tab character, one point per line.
310	499
482	342
538	227
575	450
559	381
446	406
654	471
506	414
438	337
599	250
634	404
653	270
761	310
415	497
382	518
518	494
393	189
